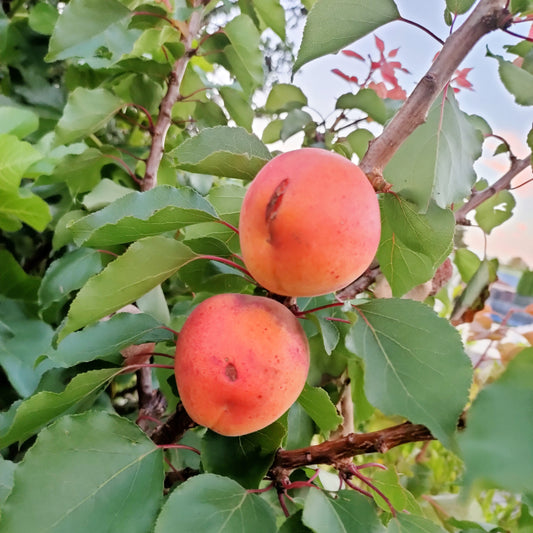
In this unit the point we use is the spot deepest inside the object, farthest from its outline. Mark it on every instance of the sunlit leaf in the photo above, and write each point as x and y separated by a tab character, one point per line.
495	211
515	79
17	121
320	408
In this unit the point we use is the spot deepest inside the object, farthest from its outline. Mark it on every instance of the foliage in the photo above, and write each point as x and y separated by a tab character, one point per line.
129	130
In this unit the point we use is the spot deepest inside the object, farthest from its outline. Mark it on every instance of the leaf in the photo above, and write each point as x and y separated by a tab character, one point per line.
295	121
359	140
467	263
104	193
436	161
108	338
214	503
92	29
15	158
408	523
496	444
368	101
459	7
244	53
142	214
86	111
7	474
23	206
412	245
334	24
525	284
17	121
14	282
144	265
328	331
43	18
285	97
273	15
515	79
272	131
109	469
238	107
67	274
320	408
223	151
495	211
415	365
245	459
40	409
349	511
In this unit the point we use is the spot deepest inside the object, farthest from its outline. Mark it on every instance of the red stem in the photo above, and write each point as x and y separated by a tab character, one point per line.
228	225
423	28
126	167
178	447
146	112
226	262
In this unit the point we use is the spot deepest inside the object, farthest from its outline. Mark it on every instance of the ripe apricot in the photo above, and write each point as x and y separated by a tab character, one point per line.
241	361
309	223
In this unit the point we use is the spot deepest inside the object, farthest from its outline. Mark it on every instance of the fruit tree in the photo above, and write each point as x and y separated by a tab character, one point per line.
225	308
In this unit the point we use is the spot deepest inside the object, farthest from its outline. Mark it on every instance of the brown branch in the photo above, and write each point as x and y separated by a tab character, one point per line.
486	17
478	197
171	97
332	452
360	284
174	428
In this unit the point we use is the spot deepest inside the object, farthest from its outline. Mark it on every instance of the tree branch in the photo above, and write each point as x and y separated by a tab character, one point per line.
333	452
486	17
477	198
173	92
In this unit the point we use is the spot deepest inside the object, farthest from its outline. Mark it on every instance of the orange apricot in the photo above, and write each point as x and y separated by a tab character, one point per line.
309	223
241	362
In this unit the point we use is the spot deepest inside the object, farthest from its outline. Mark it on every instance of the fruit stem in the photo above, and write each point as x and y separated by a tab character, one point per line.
228	225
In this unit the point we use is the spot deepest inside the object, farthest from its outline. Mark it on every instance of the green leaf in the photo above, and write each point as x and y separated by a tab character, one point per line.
109	469
86	111
272	131
14	282
495	211
19	352
459	7
295	121
142	214
67	274
363	410
525	284
320	408
214	503
15	158
359	140
7	474
92	29
334	24
23	206
477	290
412	245
18	122
223	151
415	365
328	331
467	263
300	428
40	409
43	18
245	459
368	101
496	444
104	193
244	54
436	161
144	265
515	79
349	511
285	97
272	14
408	523
238	107
108	338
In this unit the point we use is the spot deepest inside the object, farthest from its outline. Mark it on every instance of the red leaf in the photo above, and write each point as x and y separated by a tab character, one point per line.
393	53
397	94
353	54
344	76
379	43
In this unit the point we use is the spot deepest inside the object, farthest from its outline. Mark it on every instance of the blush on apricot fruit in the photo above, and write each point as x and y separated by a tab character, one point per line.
241	362
309	223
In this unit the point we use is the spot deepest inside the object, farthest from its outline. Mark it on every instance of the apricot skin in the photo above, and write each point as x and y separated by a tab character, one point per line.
309	223
241	362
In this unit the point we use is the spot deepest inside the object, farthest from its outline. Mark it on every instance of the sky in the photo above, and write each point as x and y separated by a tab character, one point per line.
489	99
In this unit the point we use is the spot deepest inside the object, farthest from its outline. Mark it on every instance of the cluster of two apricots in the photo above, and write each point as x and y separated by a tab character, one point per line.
309	225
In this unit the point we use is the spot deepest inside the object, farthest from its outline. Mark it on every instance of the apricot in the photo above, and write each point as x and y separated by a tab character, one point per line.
309	223
241	362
